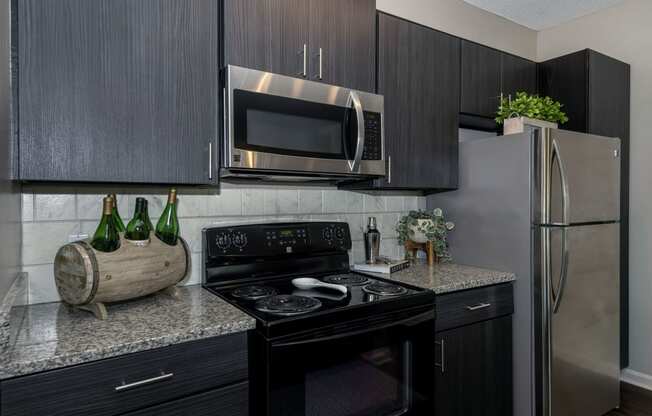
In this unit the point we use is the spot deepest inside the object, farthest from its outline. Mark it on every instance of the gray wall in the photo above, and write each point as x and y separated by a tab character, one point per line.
10	217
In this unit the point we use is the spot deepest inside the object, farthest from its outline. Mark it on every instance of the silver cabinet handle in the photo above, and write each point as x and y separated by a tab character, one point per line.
389	169
442	357
478	307
210	161
304	52
321	64
164	376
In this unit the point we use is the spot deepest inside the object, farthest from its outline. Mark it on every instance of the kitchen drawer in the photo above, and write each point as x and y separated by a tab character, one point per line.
110	387
473	305
227	401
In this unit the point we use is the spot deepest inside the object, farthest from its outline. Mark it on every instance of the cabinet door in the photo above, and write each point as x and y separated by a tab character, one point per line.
118	90
480	79
418	73
345	33
268	35
518	74
474	374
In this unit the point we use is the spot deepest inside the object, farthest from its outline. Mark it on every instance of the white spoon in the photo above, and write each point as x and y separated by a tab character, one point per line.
308	283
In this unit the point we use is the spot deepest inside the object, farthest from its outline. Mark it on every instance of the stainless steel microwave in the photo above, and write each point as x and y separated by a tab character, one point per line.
279	127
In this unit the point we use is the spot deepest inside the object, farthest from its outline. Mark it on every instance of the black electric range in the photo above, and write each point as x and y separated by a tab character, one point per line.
313	349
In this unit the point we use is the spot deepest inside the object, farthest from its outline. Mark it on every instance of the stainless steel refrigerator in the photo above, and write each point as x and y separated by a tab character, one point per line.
544	204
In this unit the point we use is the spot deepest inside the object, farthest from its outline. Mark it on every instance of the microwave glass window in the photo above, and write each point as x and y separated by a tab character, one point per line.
295	133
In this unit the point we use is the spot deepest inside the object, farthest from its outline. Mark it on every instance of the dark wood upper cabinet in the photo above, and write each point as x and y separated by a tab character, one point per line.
418	73
345	33
595	91
517	74
481	79
268	35
474	373
118	90
272	35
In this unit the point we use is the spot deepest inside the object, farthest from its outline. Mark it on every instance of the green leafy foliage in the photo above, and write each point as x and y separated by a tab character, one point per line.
435	228
532	106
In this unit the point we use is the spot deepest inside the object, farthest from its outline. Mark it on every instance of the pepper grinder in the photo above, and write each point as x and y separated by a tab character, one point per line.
371	242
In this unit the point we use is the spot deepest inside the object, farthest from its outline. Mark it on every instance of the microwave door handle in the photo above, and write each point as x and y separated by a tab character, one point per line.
354	98
413	320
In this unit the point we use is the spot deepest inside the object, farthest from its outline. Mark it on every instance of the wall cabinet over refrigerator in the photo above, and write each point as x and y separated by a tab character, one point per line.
595	91
487	73
329	41
419	76
117	91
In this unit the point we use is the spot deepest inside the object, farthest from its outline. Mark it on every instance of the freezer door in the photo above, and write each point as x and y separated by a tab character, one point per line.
583	175
584	319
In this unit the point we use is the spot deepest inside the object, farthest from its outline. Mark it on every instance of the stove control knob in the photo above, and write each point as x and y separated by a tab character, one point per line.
223	241
328	234
339	233
240	240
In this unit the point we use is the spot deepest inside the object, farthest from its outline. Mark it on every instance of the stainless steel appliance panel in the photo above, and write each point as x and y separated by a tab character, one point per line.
582	307
241	160
583	171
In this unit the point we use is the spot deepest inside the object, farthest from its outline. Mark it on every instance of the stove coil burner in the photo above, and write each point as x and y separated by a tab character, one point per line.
287	305
384	289
346	279
253	292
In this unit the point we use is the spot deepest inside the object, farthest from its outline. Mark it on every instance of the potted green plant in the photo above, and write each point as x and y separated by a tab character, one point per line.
529	109
423	227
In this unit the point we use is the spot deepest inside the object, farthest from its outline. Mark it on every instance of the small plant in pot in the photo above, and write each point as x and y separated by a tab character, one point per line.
426	227
530	106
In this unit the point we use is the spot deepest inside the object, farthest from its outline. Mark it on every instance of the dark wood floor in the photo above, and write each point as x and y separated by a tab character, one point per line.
635	401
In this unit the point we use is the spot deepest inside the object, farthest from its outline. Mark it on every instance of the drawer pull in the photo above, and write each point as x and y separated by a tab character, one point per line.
124	386
442	363
478	307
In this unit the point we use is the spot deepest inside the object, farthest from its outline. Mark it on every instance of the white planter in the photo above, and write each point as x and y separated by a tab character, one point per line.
517	125
418	236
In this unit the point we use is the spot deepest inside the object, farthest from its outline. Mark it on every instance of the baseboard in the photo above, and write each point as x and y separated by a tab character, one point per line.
636	378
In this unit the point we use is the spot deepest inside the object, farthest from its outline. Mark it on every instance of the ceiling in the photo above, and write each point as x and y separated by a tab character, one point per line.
542	14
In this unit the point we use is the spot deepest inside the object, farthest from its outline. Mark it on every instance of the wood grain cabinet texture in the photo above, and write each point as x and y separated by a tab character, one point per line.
595	91
117	90
90	389
270	35
473	369
419	76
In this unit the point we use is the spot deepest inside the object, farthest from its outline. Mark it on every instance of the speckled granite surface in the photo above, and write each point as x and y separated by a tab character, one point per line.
53	335
447	277
10	298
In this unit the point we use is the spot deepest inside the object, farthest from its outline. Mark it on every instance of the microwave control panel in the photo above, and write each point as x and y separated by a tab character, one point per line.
373	143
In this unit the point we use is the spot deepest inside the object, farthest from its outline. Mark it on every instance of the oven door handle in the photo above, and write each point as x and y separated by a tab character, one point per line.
354	99
413	320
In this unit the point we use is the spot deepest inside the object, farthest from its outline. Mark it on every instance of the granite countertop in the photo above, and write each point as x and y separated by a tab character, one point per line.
447	277
54	335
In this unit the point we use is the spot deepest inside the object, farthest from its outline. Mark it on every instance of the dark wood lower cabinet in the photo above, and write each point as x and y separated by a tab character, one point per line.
474	369
228	401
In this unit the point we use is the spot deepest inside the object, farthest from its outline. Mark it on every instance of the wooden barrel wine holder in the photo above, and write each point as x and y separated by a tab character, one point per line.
89	279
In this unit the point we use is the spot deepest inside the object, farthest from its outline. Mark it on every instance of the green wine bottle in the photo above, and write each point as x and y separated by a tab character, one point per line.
106	236
137	229
117	220
147	219
167	228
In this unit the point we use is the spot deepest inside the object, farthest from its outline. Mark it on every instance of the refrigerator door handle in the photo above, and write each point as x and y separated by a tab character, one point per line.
565	194
563	274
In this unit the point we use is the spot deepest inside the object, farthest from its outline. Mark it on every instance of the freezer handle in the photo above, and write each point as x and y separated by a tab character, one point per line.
565	194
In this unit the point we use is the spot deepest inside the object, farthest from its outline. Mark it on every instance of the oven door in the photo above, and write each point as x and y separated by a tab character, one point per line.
287	125
380	370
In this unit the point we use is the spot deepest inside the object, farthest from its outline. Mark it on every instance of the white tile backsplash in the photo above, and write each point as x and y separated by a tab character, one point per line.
50	218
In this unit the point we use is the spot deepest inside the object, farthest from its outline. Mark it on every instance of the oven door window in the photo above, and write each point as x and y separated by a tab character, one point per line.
370	374
287	126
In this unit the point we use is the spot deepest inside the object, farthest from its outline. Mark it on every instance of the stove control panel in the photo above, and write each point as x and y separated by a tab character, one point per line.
266	240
